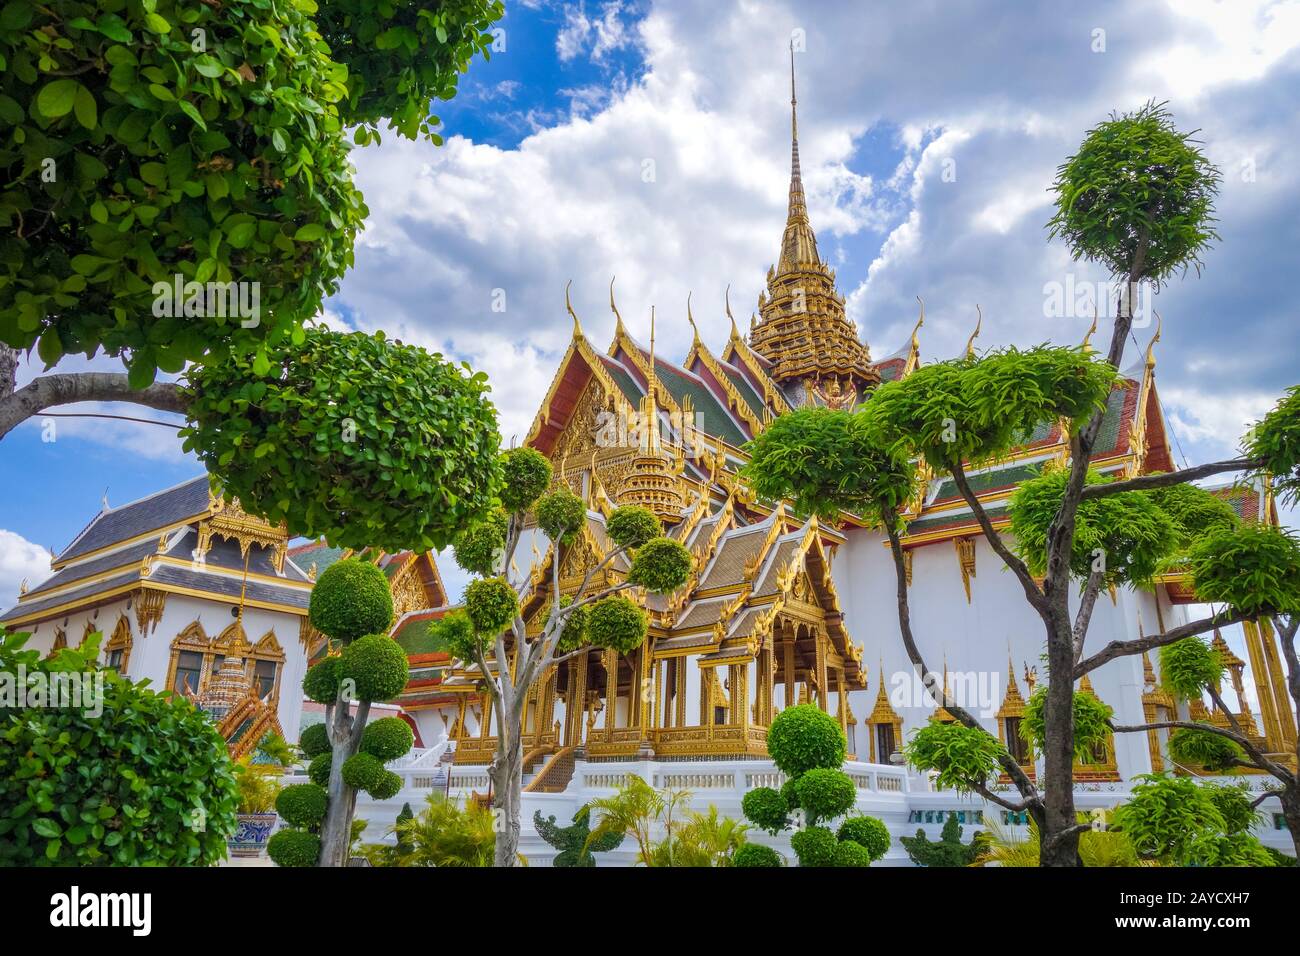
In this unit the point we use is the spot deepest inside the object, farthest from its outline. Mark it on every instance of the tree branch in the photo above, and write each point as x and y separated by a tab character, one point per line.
1261	761
1084	617
1136	646
48	391
1165	480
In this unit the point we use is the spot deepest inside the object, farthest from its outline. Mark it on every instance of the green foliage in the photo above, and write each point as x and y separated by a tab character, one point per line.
815	846
302	805
632	526
318	771
446	833
325	434
849	853
133	778
387	786
560	515
948	850
321	682
377	667
387	738
1254	568
224	163
964	757
755	855
1236	806
637	810
1189	666
350	599
825	460
314	740
480	547
455	632
574	632
363	771
1138	197
766	808
704	840
259	785
293	848
1203	749
804	738
661	565
978	409
1126	535
1091	722
1195	511
526	474
825	794
868	833
1235	849
1275	441
616	622
491	604
1167	815
1279	858
571	841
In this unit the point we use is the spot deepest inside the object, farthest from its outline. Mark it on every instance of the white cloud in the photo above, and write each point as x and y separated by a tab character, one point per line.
603	34
20	559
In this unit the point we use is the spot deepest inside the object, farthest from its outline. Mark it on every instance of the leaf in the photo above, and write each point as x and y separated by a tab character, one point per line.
189	110
87	110
157	23
312	232
44	826
56	98
111	25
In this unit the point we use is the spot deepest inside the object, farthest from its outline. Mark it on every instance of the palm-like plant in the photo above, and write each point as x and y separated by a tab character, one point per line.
1096	848
634	811
446	833
706	840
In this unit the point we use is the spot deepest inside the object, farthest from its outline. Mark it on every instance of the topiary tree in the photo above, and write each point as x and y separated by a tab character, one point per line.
490	633
1138	197
756	855
948	850
354	610
572	841
808	746
126	777
179	180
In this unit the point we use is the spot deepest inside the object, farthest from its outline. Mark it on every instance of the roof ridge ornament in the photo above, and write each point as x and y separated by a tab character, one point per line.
970	343
577	326
1086	345
1151	346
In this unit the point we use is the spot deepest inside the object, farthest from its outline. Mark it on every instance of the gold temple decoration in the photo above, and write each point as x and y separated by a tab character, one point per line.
883	713
229	520
1103	766
966	559
1013	706
970	343
654	479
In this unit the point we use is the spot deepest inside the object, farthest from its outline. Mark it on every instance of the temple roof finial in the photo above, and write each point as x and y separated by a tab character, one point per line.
691	319
577	326
1087	339
1151	346
970	343
613	308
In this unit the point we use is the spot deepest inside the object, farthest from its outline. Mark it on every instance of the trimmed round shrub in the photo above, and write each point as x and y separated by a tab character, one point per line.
560	515
302	805
616	622
479	549
363	771
1254	568
387	738
321	682
294	848
755	854
574	633
377	667
804	738
965	757
661	566
351	599
815	846
790	794
526	474
867	832
850	853
491	604
318	771
1201	748
766	809
632	526
825	794
314	740
387	786
1189	666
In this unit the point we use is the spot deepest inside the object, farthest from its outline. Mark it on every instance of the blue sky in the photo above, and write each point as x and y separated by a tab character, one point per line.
543	179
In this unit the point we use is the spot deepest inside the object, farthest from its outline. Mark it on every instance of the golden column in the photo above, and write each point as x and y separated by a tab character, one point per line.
1277	677
679	693
1259	672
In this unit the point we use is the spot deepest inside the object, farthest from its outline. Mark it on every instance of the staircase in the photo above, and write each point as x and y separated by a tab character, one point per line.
536	754
555	774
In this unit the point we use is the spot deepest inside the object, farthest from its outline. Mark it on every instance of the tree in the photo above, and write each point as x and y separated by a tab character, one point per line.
491	635
152	141
1179	822
1137	197
115	774
352	606
572	842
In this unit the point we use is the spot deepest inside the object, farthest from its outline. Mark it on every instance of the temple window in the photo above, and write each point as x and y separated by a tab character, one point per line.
264	673
189	665
1016	745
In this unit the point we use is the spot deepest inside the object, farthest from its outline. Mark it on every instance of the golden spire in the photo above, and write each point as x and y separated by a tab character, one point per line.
800	245
613	308
1151	346
691	319
914	353
1087	339
970	343
577	326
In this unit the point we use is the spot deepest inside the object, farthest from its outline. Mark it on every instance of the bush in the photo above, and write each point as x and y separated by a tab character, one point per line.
1201	748
868	832
1189	666
1091	722
574	633
321	682
387	738
1235	804
804	738
1166	815
1254	568
314	740
766	808
815	846
755	855
387	786
662	565
948	850
616	622
363	771
1235	849
351	599
294	848
632	526
377	667
825	794
560	515
491	604
125	787
479	548
318	771
302	805
849	853
965	757
526	474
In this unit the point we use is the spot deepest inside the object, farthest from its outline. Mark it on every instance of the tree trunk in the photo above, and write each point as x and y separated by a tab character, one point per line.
1059	846
1290	797
507	792
336	831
